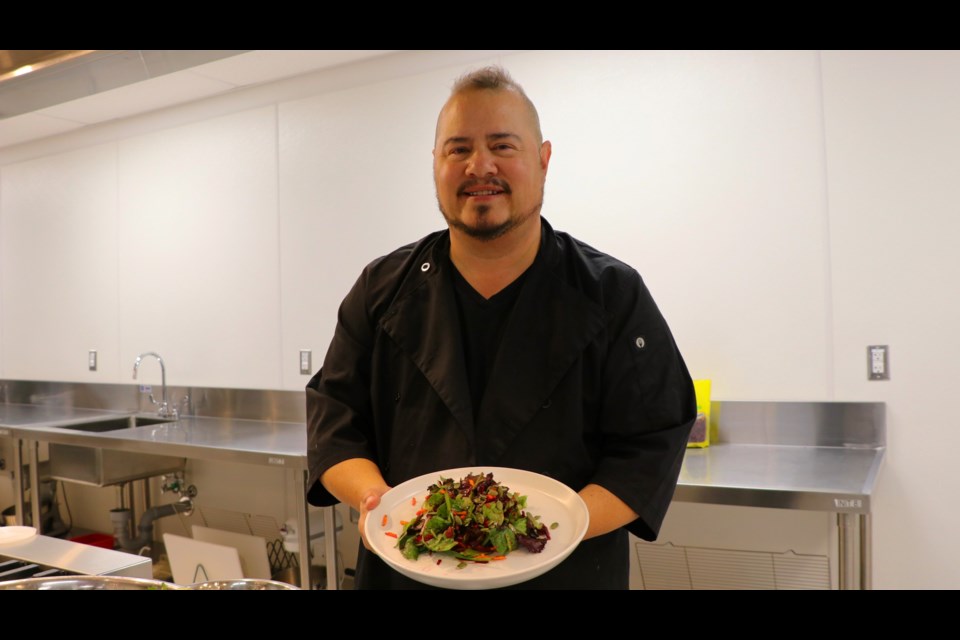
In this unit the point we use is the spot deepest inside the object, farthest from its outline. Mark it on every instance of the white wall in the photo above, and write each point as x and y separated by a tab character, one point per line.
892	150
752	191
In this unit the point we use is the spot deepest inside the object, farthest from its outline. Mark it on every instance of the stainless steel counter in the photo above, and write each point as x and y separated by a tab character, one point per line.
236	440
262	442
781	477
820	456
823	456
31	416
74	557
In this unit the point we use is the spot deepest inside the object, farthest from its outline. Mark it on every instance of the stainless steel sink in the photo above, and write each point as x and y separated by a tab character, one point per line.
115	424
95	466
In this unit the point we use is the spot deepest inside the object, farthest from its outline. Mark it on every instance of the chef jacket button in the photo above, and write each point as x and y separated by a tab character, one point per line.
425	266
640	342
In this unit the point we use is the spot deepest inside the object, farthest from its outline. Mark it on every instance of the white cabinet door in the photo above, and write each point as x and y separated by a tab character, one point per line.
198	259
58	260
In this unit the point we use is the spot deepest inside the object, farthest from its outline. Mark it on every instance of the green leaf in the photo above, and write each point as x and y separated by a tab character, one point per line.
437	525
493	511
440	543
521	525
446	505
410	550
504	541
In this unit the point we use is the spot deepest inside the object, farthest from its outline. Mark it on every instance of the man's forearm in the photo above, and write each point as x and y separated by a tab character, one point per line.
607	511
351	481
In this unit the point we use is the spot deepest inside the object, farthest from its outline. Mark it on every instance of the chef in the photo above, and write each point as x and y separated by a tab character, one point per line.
501	342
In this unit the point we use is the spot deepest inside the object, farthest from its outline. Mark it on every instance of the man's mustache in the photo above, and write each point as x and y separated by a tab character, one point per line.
477	182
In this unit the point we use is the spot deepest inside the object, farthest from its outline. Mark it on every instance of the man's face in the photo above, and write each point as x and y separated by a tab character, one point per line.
488	165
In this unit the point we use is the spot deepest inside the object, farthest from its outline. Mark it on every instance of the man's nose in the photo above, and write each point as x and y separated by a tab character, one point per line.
482	163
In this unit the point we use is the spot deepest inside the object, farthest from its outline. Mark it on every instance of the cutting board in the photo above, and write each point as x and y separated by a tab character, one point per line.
197	561
252	549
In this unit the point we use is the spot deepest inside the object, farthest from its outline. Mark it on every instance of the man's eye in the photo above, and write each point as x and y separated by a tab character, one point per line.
458	151
502	147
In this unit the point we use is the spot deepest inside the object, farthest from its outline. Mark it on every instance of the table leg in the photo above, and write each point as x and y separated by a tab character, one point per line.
18	482
33	454
847	551
303	528
866	552
330	547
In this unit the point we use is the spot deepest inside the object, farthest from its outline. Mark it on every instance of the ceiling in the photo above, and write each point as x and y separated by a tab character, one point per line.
17	62
70	89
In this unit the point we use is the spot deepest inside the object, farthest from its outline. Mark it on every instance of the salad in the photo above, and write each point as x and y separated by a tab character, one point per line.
476	519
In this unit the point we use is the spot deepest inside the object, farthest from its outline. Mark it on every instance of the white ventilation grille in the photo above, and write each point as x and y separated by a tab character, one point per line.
666	566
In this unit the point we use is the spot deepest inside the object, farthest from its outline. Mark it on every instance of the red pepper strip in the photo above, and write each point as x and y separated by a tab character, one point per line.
391	534
403	523
499	557
383	522
420	512
413	501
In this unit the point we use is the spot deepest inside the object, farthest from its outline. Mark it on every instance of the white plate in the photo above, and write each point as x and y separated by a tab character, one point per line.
9	535
553	501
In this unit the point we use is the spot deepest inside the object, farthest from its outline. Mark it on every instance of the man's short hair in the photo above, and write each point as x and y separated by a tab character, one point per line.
496	78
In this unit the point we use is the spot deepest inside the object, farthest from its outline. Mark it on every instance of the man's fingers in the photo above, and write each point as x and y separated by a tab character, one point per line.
371	501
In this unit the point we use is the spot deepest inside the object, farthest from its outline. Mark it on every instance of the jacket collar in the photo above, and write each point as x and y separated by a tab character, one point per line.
549	327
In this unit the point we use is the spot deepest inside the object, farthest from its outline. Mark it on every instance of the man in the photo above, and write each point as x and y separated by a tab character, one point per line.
501	342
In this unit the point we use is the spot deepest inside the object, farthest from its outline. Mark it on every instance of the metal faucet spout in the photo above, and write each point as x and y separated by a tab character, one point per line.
164	407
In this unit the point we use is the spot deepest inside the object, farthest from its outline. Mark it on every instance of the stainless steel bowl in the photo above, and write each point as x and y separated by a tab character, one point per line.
89	583
291	575
248	584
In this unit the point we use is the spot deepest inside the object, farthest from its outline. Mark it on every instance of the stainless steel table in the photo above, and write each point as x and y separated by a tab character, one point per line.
791	455
270	443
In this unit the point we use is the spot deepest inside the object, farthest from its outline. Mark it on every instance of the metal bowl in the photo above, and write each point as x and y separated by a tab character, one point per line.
89	583
291	575
243	585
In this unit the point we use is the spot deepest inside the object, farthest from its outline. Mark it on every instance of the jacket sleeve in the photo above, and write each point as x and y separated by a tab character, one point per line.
339	414
648	405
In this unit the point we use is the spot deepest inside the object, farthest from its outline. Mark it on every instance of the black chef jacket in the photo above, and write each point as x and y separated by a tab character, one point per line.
587	387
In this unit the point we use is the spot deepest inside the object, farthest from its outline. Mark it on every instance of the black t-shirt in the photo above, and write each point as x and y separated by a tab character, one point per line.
482	321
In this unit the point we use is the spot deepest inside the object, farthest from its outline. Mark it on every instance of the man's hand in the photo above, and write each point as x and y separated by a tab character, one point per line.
368	503
359	483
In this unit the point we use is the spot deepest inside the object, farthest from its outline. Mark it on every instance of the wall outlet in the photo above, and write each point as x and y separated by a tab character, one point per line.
305	357
878	362
92	359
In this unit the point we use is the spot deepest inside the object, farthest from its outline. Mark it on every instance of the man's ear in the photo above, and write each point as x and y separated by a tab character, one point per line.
545	150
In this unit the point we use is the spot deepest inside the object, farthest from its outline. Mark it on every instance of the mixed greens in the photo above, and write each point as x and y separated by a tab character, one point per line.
476	519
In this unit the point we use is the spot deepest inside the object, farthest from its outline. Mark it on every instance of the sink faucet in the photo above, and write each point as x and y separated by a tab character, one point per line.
165	411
